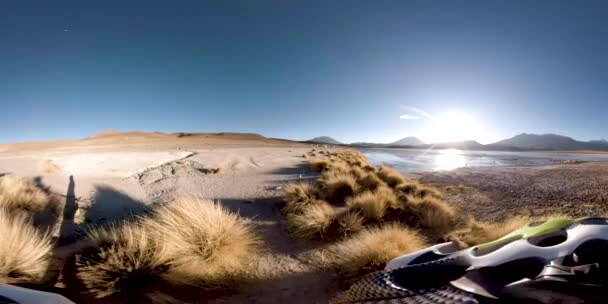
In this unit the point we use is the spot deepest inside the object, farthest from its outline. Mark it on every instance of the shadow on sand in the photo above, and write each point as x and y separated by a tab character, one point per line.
111	206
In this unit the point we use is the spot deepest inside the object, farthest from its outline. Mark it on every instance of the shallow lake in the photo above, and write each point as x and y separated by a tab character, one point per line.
415	160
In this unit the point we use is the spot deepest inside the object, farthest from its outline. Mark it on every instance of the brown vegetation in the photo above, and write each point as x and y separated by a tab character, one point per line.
375	214
370	249
188	242
391	176
20	195
25	251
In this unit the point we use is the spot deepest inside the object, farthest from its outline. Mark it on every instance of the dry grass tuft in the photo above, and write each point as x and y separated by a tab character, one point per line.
25	252
208	239
370	182
391	176
314	222
433	214
20	195
320	165
298	197
188	242
335	188
372	205
416	189
124	261
48	166
350	223
370	250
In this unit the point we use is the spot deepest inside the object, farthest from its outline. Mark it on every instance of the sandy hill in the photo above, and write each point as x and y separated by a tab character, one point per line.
110	139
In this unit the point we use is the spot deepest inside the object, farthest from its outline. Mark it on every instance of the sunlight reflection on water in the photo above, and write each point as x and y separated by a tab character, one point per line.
449	159
418	160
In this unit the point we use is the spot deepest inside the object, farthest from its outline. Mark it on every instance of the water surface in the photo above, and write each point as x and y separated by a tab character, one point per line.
415	160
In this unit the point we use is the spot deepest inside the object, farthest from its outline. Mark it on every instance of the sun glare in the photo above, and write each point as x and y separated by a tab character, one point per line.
452	126
449	159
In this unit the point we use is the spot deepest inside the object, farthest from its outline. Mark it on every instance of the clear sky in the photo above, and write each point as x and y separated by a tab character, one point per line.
354	70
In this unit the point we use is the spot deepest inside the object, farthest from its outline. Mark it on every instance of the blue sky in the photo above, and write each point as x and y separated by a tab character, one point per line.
347	69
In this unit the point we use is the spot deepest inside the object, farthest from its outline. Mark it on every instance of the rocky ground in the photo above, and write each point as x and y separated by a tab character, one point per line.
498	192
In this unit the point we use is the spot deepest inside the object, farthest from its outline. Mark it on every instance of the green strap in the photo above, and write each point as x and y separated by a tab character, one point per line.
530	231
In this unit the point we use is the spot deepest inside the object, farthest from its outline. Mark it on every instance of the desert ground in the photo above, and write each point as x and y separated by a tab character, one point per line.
577	189
111	177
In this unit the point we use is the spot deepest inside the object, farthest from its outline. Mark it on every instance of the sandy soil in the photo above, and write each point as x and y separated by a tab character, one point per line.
117	175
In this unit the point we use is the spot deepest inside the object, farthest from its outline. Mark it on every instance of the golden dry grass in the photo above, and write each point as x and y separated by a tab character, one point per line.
391	176
188	242
298	196
22	195
416	189
24	251
370	182
313	222
370	197
372	205
350	223
319	165
335	188
433	214
207	238
124	261
371	249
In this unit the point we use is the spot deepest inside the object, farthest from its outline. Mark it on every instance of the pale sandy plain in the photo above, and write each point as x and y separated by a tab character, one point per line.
116	175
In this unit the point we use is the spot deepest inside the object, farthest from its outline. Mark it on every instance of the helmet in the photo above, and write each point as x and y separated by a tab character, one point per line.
556	261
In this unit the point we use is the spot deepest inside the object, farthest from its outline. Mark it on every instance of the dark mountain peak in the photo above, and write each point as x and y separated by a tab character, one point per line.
325	140
408	141
542	141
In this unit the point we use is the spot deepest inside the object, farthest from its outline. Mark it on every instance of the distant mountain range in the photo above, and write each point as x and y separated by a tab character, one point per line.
549	142
521	142
325	140
409	141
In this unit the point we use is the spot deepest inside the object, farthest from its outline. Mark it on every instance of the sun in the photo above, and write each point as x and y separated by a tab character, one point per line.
452	126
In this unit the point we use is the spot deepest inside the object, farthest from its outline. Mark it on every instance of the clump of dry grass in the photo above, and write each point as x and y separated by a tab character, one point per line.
350	223
314	222
371	198
433	214
416	189
319	165
335	188
22	195
188	242
298	197
372	205
391	176
48	166
212	241
370	182
124	261
25	252
371	249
